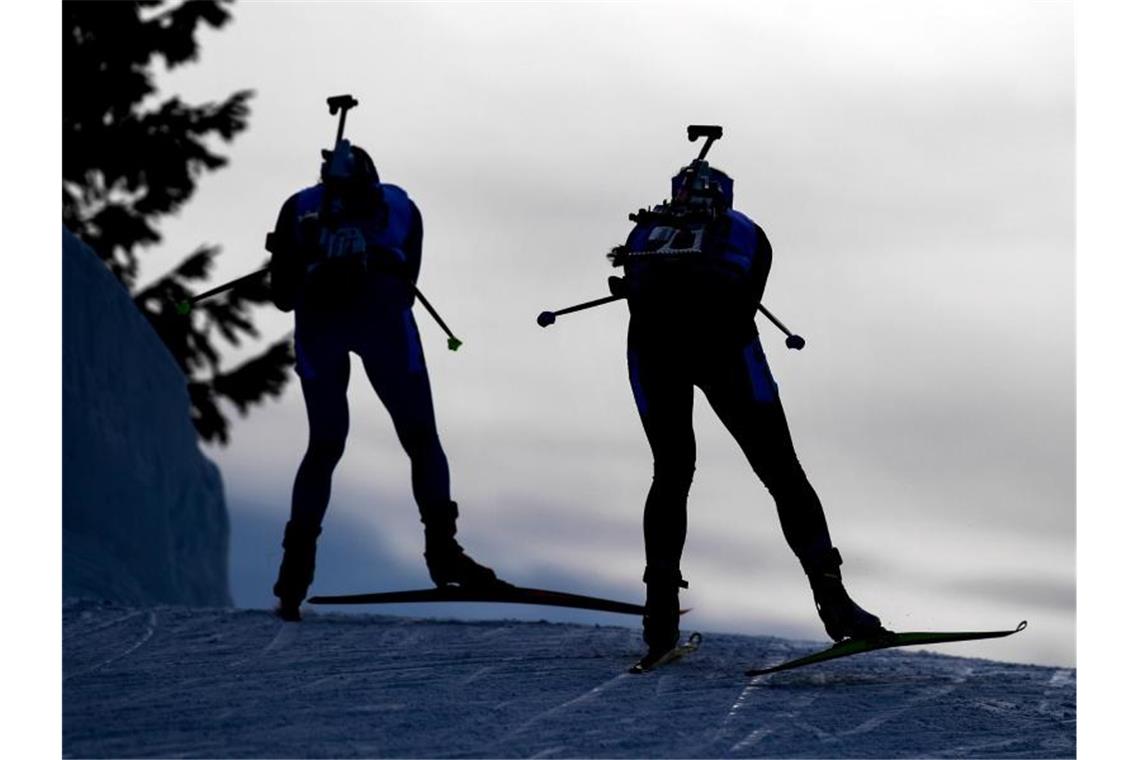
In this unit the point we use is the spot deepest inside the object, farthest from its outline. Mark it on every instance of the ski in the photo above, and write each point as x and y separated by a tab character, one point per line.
676	653
503	593
886	640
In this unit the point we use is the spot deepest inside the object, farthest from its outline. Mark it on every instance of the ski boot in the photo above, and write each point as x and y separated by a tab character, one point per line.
842	618
661	623
447	563
297	567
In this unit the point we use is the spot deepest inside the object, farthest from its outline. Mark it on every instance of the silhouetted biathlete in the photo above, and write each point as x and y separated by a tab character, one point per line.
695	270
345	258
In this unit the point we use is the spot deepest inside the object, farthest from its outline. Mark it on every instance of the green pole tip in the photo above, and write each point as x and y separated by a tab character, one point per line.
453	344
183	308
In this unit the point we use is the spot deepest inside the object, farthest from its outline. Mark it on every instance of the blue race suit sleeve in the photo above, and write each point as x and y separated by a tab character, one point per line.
413	244
762	264
285	265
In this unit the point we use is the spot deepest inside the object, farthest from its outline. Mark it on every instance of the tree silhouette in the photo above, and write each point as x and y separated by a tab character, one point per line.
130	158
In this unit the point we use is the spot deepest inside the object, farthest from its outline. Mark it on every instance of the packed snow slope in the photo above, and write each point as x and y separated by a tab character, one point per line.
144	520
167	681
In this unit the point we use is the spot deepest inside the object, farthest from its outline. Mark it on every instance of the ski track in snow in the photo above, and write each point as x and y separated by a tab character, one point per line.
241	683
581	698
151	623
100	626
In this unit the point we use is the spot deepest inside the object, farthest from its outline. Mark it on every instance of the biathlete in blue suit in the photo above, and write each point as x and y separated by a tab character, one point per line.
345	258
695	270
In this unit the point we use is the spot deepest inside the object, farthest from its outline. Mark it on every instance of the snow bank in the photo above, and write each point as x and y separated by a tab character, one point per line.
144	519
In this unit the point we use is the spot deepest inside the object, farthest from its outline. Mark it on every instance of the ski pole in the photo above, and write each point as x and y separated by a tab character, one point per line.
617	292
184	307
547	318
453	343
792	341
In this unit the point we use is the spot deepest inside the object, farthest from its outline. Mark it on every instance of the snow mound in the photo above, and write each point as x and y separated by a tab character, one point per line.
231	683
144	520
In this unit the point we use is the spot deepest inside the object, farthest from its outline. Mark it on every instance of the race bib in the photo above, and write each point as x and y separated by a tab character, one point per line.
342	241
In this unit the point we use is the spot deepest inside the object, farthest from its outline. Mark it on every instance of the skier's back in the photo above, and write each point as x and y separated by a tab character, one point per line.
695	270
346	254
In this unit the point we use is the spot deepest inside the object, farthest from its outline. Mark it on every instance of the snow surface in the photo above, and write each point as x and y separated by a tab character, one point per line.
144	520
169	681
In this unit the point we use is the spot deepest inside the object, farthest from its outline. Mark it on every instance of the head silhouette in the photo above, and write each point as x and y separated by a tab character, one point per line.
688	184
348	167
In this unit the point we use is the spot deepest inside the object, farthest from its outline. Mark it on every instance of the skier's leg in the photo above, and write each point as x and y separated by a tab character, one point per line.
326	405
396	369
742	392
664	398
397	372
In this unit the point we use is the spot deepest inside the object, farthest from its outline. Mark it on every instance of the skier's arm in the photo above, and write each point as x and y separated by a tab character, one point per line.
284	263
761	264
413	245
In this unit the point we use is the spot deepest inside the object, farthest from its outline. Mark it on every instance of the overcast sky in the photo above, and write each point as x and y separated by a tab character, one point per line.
912	164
